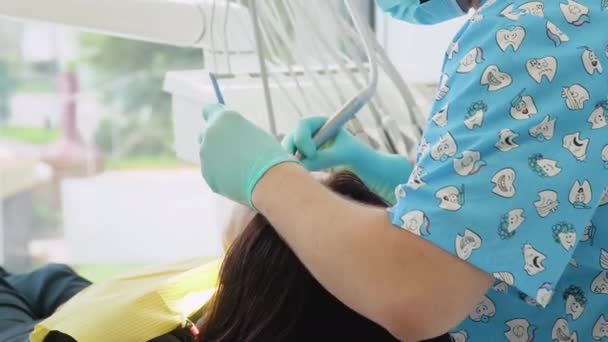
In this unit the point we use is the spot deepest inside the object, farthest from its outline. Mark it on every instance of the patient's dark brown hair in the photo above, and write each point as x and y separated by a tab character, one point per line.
266	294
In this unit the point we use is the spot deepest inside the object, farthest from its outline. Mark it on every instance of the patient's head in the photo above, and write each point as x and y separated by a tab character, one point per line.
266	294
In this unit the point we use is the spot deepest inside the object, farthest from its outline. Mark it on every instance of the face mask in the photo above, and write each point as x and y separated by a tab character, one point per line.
425	12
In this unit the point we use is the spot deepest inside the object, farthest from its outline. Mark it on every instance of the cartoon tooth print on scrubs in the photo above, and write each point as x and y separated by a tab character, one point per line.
576	145
506	140
511	37
561	332
507	277
600	329
535	8
451	198
576	95
600	282
468	163
545	130
441	117
520	330
556	35
547	203
467	243
443	89
575	300
543	167
575	13
523	106
510	222
445	148
533	260
452	50
580	195
591	63
415	181
474	117
598	117
416	222
484	311
510	13
504	183
495	79
589	233
470	60
544	294
564	234
540	68
605	156
460	336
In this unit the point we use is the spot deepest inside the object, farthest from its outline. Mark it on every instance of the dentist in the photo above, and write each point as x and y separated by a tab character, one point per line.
494	232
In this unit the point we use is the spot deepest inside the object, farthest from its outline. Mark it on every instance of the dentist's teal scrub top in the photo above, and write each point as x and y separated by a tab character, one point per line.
513	169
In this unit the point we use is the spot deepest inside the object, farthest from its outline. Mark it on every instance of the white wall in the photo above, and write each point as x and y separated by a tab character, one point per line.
417	50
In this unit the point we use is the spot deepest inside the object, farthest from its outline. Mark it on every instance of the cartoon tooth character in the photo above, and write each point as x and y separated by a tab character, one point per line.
424	147
576	96
506	277
564	234
466	244
474	117
445	148
468	163
580	195
547	203
598	117
504	183
544	294
589	233
460	336
520	330
451	198
538	68
441	117
495	79
510	222
471	60
561	332
604	199
576	145
510	13
510	37
533	260
575	300
523	106
600	329
575	13
501	287
604	5
605	156
591	62
443	89
543	167
506	140
600	282
416	222
484	311
415	181
452	49
535	8
556	35
544	130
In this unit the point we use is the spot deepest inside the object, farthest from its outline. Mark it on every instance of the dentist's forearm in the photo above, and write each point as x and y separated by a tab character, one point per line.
388	275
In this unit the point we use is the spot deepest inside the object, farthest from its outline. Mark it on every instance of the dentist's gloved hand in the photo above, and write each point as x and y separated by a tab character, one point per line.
380	172
235	153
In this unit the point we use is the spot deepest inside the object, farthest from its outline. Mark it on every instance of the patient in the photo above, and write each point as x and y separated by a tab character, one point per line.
266	294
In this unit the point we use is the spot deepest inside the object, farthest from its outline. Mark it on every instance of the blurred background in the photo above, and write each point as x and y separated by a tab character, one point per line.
88	173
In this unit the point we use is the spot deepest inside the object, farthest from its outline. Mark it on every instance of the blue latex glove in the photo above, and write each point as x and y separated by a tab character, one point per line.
382	173
235	153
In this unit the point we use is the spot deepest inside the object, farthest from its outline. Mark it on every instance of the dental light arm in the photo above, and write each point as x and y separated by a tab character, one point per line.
174	22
